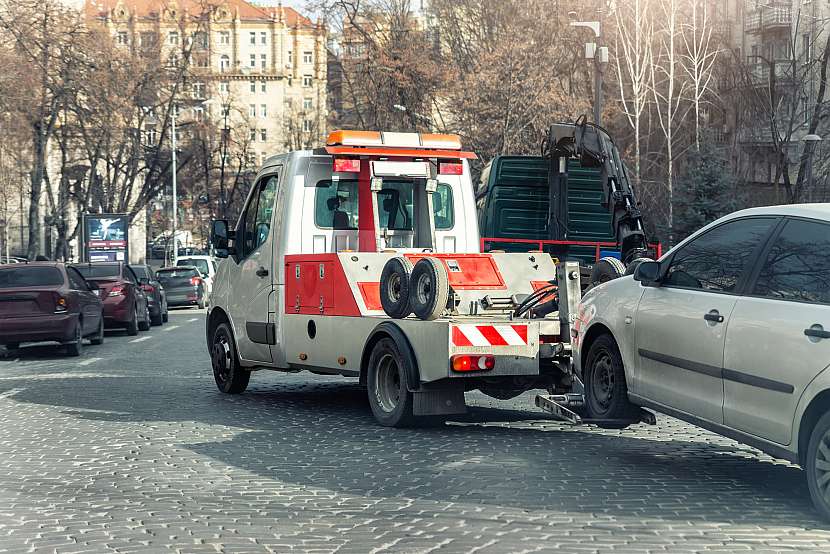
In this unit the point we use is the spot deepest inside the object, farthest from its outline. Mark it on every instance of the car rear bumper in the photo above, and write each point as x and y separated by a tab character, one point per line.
183	297
117	310
52	327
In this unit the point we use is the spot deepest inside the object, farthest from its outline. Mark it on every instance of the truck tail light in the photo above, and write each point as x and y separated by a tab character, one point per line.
346	165
447	168
117	290
195	281
464	363
60	304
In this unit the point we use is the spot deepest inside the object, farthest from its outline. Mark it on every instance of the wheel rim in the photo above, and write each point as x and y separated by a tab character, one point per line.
394	288
221	358
79	335
388	384
602	381
822	466
423	288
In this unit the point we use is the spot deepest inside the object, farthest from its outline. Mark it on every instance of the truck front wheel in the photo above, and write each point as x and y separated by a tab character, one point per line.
230	376
389	395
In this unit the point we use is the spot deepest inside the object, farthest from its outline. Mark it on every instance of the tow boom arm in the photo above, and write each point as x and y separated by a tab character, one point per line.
593	146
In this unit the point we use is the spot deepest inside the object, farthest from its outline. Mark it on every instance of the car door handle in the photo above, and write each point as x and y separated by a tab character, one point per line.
713	316
262	272
817	332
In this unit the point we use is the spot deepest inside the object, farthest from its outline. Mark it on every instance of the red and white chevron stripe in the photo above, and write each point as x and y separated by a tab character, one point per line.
489	335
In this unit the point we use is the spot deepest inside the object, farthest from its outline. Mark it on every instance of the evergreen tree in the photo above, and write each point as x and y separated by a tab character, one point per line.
706	190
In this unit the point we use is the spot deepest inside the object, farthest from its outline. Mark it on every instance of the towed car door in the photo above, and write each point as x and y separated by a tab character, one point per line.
681	325
778	340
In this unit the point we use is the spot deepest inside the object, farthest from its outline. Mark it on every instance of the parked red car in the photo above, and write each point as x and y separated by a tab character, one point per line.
125	304
48	301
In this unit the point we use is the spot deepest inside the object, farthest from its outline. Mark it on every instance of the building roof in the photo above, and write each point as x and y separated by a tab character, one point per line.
152	9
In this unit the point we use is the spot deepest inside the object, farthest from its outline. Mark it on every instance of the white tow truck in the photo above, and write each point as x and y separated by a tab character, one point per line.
362	259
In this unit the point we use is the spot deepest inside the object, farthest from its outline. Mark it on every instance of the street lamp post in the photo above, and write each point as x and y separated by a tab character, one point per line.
593	51
175	199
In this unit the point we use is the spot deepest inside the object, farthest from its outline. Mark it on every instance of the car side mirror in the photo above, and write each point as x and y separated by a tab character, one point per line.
144	281
93	286
648	273
220	237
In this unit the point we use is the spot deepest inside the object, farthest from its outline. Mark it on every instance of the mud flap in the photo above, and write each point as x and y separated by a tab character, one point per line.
443	401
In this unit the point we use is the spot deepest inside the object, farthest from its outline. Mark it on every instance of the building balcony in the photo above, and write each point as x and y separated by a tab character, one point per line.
768	18
760	74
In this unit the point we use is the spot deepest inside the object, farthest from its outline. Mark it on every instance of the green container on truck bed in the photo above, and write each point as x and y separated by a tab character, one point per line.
513	199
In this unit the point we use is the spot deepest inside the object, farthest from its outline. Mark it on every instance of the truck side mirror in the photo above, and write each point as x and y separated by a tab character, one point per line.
648	273
220	237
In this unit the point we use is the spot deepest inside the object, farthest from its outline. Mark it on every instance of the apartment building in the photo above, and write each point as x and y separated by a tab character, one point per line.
254	66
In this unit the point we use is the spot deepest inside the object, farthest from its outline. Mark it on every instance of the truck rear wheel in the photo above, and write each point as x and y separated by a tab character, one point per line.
606	392
632	266
394	287
229	375
429	289
389	395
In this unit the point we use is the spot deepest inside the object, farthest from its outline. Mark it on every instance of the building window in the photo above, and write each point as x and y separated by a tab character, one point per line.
122	37
290	57
147	40
306	125
226	111
198	90
173	38
263	38
252	110
176	110
224	63
224	37
262	87
253	86
250	157
253	37
253	60
252	136
263	61
200	40
290	81
263	110
308	103
151	135
262	158
224	86
263	135
307	57
198	113
307	79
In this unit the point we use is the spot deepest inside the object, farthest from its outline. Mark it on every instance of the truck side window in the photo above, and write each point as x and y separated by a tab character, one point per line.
257	222
335	205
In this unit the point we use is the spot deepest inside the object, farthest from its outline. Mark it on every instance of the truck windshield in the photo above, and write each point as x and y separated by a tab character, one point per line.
336	206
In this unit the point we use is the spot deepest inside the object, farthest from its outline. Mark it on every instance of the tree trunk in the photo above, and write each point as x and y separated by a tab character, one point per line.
38	171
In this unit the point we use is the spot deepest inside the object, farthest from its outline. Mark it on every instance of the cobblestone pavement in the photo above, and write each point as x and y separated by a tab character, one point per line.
131	448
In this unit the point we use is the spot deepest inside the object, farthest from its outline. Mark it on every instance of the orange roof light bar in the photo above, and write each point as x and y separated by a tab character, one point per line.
394	140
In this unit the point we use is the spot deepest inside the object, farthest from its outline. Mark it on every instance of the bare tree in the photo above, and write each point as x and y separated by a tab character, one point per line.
700	52
668	86
633	58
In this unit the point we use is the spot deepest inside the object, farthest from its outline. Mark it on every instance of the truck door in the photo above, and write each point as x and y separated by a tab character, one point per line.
252	275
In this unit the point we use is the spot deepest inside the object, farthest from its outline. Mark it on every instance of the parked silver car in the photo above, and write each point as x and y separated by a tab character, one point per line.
730	330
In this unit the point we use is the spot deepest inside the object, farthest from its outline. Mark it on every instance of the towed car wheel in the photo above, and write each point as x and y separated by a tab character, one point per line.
144	325
230	377
818	466
606	392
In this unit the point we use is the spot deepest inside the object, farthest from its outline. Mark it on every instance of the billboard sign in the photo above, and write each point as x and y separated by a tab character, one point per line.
106	237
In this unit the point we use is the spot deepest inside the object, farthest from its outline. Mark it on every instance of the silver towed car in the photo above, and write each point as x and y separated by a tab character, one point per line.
730	330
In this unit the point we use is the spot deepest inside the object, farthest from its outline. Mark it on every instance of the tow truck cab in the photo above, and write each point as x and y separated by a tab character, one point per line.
302	285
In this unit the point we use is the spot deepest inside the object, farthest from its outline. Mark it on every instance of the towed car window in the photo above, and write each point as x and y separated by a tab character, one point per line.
140	271
98	271
30	276
176	273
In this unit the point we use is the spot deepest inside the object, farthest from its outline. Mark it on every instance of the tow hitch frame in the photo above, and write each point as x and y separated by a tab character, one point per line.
559	405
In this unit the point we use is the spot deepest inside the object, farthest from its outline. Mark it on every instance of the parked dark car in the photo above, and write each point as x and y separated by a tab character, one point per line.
183	286
125	304
48	301
153	289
